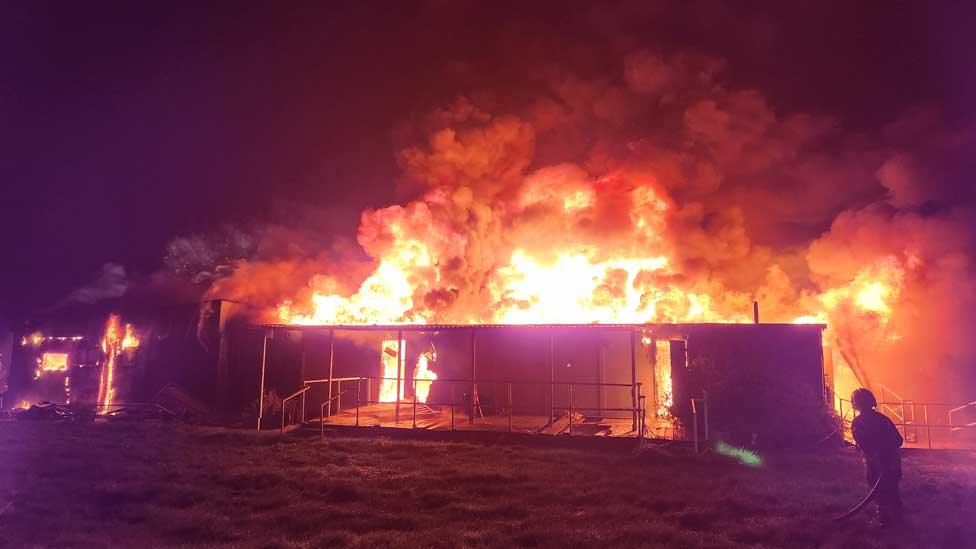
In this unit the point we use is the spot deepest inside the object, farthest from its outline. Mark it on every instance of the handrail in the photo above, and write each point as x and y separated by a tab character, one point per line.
295	394
637	409
886	388
907	421
300	392
333	380
963	407
322	411
494	381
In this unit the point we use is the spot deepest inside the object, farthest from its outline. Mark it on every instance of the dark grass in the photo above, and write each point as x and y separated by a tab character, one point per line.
149	485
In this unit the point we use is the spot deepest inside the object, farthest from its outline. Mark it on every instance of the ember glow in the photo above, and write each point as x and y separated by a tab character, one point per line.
558	270
572	277
115	341
423	375
54	362
662	191
662	375
391	359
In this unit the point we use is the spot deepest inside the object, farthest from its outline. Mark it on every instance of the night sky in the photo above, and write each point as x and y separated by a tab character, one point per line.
125	125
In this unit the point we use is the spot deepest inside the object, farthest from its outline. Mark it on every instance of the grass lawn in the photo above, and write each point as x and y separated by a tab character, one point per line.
147	485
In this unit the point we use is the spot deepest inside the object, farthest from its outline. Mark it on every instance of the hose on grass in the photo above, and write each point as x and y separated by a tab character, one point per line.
857	508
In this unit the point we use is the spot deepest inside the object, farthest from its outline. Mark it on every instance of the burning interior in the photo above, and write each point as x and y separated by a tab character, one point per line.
599	379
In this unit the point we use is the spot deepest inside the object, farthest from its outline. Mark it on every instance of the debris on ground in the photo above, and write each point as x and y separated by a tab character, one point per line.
49	411
181	403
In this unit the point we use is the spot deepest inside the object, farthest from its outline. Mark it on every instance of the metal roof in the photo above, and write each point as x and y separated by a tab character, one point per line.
445	327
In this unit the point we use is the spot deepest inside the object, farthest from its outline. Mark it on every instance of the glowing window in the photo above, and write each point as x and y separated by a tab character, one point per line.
54	362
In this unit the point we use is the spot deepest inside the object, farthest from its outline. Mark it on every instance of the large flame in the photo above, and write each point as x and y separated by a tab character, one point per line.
424	377
391	359
564	249
858	318
114	342
569	271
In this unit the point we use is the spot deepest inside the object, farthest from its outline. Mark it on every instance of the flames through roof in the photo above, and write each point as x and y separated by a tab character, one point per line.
445	327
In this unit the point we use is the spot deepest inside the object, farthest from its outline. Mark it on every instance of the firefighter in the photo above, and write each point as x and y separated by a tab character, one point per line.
880	442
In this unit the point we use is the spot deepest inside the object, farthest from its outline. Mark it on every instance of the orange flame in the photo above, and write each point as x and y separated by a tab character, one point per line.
390	359
114	342
424	376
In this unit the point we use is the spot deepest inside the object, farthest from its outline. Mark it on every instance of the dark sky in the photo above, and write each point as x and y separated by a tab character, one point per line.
125	124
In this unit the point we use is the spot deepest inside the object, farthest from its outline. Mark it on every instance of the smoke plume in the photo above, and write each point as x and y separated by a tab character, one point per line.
655	189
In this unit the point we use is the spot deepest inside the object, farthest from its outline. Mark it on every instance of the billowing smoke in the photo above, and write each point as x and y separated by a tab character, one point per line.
110	282
655	190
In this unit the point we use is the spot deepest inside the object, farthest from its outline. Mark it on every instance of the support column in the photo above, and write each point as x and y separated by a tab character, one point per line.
400	359
331	360
302	367
268	334
475	403
633	375
601	366
552	382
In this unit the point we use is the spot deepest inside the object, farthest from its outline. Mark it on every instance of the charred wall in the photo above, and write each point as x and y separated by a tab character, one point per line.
205	349
764	382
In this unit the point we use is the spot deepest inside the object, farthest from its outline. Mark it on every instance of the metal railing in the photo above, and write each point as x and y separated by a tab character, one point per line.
338	381
475	406
957	409
322	416
936	417
284	405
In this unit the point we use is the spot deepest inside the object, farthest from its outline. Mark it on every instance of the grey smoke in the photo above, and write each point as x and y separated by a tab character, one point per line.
110	282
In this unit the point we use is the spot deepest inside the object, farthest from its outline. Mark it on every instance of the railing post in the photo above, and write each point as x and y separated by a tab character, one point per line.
415	404
452	404
640	436
552	383
339	397
359	383
331	362
322	421
928	427
475	404
264	360
694	416
914	422
904	420
303	409
637	408
570	408
633	375
510	407
400	359
952	432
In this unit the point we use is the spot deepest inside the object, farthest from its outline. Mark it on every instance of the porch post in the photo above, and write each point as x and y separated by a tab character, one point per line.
331	360
400	359
633	374
268	334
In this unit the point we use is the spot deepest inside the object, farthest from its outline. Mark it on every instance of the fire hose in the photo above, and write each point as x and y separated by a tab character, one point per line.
857	508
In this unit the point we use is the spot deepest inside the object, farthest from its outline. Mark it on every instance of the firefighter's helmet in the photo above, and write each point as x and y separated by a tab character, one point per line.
863	399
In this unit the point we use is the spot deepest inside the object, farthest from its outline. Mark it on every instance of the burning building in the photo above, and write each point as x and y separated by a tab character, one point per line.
644	196
110	356
609	379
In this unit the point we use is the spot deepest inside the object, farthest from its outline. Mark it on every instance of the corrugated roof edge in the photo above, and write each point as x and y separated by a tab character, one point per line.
440	327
